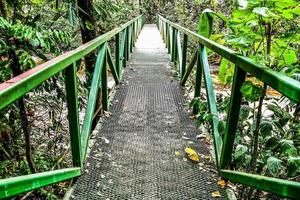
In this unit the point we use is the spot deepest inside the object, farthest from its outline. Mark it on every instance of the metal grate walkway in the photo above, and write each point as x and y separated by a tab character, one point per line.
134	153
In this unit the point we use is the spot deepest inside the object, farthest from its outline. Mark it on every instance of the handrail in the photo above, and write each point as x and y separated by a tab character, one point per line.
16	87
284	84
223	146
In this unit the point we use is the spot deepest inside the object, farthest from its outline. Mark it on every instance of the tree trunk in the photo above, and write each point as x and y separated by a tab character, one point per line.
88	31
16	69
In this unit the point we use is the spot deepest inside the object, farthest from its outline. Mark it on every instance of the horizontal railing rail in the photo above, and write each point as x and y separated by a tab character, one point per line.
224	146
11	90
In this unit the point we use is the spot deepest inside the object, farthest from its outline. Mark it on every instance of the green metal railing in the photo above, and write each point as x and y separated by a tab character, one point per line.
12	90
224	145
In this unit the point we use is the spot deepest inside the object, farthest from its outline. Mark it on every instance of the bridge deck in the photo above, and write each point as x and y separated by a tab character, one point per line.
134	152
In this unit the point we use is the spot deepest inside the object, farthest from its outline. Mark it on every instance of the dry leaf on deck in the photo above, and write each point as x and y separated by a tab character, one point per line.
177	153
216	194
192	154
222	183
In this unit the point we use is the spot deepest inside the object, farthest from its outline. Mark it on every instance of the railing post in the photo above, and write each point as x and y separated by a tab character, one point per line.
232	116
168	38
104	91
133	34
72	104
211	101
198	81
184	52
173	45
130	38
126	44
117	55
123	48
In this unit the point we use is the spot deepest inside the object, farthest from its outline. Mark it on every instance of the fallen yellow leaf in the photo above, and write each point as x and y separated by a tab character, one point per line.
222	183
192	154
216	194
177	153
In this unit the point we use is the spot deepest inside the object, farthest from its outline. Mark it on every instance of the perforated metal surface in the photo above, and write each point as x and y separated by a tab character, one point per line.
134	153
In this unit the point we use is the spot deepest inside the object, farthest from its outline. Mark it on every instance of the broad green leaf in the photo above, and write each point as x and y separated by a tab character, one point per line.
205	24
290	57
293	166
265	128
272	143
274	165
240	151
287	147
206	20
226	71
251	92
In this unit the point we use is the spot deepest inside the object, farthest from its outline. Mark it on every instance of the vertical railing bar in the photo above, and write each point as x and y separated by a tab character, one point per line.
72	104
232	117
211	99
93	94
179	53
171	41
189	69
104	89
198	81
168	38
123	49
117	54
184	53
130	39
133	34
112	66
173	44
126	44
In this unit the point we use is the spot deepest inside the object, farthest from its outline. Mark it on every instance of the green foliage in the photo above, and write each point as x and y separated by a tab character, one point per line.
274	165
293	166
252	92
226	71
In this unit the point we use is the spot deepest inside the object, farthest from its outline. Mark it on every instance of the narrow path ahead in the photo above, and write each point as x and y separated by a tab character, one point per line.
134	153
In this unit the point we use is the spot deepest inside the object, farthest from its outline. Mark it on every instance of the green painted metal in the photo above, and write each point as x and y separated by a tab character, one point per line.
127	51
176	47
232	116
13	89
198	81
189	69
104	89
173	54
224	146
171	40
72	103
130	41
12	186
179	53
280	82
112	66
184	52
88	118
133	34
18	86
123	49
117	54
168	39
274	185
211	99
